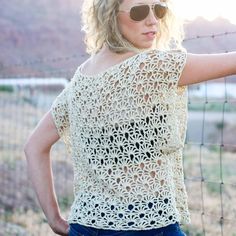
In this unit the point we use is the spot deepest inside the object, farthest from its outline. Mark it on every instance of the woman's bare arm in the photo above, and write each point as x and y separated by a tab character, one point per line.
37	151
203	67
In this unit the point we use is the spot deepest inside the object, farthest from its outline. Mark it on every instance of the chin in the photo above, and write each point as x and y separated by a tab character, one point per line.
144	45
147	46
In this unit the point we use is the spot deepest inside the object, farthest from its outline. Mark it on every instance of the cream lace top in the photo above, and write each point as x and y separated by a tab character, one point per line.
125	130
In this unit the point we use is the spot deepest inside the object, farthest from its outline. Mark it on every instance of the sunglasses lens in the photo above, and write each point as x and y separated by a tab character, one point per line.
139	13
160	11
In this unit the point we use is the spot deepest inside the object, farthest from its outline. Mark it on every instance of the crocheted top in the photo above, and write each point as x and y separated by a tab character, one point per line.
125	130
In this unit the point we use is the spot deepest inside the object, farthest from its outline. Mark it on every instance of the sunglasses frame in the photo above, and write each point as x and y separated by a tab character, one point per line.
151	7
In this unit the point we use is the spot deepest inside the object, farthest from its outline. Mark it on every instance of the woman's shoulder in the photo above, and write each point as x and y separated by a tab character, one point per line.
165	57
165	52
96	66
93	67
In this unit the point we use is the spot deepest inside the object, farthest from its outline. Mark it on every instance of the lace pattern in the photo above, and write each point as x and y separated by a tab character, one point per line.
126	129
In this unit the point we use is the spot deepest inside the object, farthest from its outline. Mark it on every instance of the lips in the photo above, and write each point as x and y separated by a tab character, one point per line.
150	33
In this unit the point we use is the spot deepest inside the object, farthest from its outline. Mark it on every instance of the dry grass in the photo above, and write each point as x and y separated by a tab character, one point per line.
209	200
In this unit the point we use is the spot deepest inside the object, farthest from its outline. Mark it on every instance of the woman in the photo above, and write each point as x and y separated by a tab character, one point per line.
123	119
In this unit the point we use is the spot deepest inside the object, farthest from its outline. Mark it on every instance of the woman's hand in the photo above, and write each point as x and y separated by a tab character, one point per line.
60	226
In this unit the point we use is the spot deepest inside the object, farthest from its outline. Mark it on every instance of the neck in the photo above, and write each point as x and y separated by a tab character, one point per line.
105	51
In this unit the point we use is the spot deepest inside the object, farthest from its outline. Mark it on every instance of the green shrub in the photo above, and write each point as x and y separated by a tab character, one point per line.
6	88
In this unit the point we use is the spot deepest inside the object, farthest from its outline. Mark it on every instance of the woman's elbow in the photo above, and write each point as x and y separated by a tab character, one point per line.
35	148
29	147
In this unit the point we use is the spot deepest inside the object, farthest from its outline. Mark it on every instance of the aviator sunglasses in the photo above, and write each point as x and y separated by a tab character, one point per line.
140	12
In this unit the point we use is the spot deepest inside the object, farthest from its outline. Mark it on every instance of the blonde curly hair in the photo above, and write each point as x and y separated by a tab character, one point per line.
99	22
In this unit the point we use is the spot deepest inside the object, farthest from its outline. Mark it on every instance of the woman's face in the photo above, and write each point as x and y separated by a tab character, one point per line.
140	33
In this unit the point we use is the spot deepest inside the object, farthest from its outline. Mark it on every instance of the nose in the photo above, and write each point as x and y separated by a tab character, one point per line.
151	18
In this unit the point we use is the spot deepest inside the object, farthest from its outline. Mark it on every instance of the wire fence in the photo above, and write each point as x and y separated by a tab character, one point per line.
209	153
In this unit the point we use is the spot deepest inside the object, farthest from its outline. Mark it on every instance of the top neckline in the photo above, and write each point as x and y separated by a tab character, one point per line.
113	67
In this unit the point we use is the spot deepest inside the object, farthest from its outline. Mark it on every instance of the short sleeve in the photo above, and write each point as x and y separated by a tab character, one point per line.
165	67
60	115
174	63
